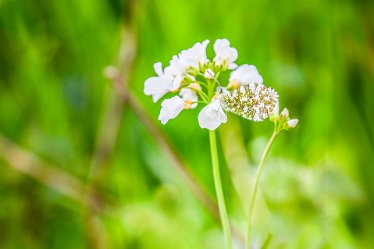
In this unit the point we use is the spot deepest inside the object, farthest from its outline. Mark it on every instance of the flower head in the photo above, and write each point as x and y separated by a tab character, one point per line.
194	79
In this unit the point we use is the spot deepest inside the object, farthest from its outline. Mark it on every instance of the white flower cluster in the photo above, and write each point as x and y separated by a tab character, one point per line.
193	77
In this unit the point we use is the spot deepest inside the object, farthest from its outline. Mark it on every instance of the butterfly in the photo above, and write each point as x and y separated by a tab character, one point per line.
253	101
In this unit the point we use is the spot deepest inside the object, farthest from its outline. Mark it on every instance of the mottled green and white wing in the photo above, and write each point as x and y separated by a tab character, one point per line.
254	101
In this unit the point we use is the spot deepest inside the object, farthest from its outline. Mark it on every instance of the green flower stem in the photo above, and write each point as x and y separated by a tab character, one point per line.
256	183
202	83
203	96
210	89
267	241
219	191
201	102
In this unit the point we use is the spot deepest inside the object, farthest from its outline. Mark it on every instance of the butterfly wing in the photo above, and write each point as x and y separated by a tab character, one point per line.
254	101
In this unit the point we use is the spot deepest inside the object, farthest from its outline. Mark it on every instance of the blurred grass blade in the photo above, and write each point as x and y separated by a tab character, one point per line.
267	241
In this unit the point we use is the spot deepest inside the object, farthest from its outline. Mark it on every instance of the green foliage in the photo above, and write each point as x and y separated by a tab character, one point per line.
317	189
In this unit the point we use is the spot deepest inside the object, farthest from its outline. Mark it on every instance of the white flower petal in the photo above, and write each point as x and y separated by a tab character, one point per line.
292	123
190	98
205	43
225	55
246	74
180	64
195	56
157	96
232	66
176	83
177	67
212	116
188	94
170	108
158	68
158	86
220	44
154	87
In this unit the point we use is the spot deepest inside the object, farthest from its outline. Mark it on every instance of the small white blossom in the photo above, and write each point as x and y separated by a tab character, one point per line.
185	61
189	97
225	55
176	67
212	115
170	108
176	71
191	58
159	85
194	57
292	123
245	74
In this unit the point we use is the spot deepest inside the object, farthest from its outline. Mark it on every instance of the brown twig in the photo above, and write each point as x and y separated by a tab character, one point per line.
112	119
31	165
108	134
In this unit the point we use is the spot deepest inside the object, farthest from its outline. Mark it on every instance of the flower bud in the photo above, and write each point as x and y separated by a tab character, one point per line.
209	74
292	123
284	114
195	86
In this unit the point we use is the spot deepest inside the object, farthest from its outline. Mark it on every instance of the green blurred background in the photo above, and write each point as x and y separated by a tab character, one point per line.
317	189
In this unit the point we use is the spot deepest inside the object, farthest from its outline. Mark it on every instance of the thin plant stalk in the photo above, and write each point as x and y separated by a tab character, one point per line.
267	241
218	186
256	184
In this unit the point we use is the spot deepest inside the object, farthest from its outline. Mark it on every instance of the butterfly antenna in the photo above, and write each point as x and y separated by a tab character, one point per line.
211	74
